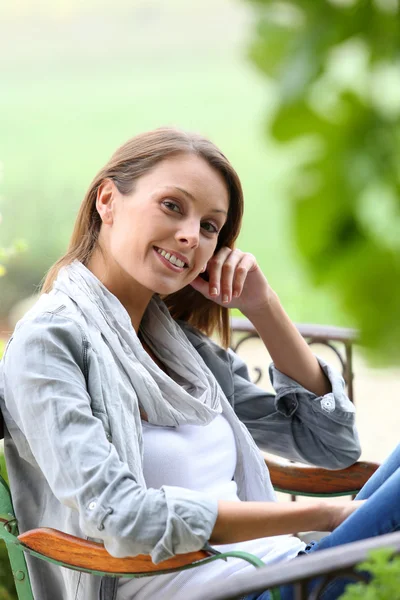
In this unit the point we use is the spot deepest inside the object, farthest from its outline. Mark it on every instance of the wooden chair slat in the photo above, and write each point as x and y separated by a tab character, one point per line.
83	554
304	479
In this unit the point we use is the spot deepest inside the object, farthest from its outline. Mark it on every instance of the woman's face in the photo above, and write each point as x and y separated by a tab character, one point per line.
162	235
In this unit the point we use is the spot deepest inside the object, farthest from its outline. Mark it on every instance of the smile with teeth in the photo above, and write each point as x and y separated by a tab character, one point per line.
172	258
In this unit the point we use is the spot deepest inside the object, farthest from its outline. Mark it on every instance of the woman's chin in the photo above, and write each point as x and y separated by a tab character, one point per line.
167	290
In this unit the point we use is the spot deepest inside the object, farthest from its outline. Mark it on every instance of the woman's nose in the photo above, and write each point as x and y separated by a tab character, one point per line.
189	234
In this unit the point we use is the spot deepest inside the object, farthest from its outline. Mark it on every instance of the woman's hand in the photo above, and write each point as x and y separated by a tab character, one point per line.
235	281
339	511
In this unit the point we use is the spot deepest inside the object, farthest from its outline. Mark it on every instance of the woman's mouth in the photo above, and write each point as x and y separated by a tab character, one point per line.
171	260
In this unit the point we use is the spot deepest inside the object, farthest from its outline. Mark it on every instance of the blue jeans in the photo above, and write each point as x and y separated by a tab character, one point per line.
379	515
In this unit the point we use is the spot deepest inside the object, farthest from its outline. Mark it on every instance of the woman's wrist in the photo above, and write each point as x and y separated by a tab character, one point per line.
263	308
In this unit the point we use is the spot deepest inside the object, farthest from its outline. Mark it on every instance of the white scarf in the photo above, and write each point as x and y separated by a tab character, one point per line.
192	395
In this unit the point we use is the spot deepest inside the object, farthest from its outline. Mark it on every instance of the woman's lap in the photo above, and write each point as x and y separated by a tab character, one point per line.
379	515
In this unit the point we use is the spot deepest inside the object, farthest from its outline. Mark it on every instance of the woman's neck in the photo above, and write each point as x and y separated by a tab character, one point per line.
134	297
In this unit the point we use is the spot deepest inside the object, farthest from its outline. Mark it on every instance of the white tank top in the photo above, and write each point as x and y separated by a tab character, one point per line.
201	458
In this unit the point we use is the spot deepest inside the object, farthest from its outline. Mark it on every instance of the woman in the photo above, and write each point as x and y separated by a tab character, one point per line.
120	410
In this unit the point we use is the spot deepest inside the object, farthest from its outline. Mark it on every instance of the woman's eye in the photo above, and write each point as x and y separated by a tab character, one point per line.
210	227
173	206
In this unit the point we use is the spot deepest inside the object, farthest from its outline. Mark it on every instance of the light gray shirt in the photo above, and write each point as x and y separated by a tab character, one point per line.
63	396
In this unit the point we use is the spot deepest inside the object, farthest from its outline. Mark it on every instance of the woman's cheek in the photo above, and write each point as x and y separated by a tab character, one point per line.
194	274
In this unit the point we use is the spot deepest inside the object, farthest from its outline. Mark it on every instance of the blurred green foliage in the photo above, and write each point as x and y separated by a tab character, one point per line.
7	586
337	67
384	567
9	252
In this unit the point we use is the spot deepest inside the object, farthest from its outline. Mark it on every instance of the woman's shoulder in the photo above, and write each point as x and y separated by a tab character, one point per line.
53	314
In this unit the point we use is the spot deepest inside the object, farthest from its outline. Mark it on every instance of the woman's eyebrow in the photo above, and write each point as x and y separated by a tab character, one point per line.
189	195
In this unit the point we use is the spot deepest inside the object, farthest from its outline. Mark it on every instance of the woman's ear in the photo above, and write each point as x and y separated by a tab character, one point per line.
105	201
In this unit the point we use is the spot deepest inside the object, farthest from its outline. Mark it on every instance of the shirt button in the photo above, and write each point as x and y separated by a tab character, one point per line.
328	405
92	505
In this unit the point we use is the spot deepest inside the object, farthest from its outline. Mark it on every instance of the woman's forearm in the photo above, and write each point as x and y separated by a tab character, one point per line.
240	521
289	351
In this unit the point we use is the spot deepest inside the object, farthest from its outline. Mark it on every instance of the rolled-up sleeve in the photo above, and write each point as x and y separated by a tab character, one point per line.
46	395
295	423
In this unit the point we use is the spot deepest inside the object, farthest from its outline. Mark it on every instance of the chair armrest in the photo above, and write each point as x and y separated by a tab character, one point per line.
299	479
303	568
82	554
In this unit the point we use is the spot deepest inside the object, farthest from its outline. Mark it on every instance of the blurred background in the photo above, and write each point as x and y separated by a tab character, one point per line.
303	96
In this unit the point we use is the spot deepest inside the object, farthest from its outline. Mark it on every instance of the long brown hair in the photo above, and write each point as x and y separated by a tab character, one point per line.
132	160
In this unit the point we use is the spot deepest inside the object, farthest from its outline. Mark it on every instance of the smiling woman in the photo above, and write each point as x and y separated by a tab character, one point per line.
126	423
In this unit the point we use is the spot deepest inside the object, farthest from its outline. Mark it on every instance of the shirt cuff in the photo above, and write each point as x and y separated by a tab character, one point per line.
191	519
289	393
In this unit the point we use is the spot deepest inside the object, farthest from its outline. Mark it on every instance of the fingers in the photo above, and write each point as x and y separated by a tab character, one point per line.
244	266
229	275
220	273
227	271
